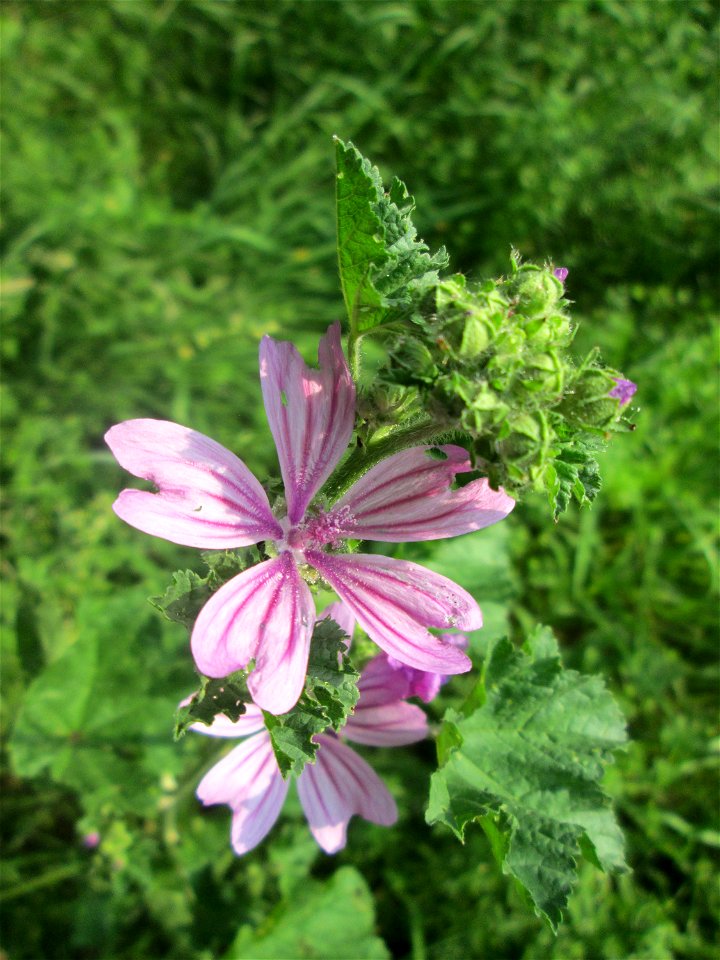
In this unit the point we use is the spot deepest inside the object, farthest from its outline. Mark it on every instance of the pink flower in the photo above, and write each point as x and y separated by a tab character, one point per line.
624	390
337	786
208	498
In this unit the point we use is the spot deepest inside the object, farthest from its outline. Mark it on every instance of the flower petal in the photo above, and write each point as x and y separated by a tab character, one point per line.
339	785
311	414
249	781
206	495
265	613
409	496
394	601
381	683
387	725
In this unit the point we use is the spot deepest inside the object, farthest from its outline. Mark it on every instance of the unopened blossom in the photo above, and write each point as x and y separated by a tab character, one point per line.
206	497
624	390
339	785
561	273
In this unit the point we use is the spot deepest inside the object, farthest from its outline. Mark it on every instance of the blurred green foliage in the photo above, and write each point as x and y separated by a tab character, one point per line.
168	198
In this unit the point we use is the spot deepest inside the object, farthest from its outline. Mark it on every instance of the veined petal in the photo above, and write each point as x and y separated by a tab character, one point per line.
395	601
311	414
265	613
339	785
409	496
206	495
381	683
387	725
249	781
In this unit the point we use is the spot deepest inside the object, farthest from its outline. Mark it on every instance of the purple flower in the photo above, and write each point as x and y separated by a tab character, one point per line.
208	498
561	273
623	391
421	683
337	786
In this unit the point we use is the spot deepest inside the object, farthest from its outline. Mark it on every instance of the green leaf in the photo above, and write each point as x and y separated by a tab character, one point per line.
385	271
189	592
527	764
330	921
227	695
95	719
329	697
575	472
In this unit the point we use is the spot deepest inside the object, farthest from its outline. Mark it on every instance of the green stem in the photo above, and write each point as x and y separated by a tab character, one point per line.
354	358
362	459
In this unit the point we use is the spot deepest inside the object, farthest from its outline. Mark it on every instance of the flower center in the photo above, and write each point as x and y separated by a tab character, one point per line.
318	531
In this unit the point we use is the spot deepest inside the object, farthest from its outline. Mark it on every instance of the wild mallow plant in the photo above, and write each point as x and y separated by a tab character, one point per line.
471	400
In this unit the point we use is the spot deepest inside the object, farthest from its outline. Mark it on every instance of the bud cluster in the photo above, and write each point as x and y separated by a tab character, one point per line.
492	361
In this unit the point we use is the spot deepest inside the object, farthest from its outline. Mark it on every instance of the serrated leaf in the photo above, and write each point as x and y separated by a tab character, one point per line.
188	592
385	270
333	920
531	759
228	695
574	473
329	697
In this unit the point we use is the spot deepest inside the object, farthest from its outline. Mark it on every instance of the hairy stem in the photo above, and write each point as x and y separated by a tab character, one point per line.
423	430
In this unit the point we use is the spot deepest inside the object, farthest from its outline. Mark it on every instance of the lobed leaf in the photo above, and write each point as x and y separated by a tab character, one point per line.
527	765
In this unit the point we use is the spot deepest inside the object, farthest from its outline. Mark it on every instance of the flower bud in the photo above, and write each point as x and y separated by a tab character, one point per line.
524	442
536	289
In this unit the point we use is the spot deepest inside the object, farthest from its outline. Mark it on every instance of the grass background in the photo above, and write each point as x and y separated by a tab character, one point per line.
168	198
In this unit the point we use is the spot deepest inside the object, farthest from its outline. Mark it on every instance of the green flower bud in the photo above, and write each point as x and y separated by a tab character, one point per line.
413	363
524	441
545	373
588	403
537	290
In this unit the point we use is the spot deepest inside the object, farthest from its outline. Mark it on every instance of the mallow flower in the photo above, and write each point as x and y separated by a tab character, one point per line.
339	785
206	497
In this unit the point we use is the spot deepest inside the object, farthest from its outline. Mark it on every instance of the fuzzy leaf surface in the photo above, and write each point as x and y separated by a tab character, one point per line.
527	764
385	271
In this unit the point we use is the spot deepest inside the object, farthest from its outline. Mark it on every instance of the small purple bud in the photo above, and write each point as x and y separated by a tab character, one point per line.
561	273
624	390
91	840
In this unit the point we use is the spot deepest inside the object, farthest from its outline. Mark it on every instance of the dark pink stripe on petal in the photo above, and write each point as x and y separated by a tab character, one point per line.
206	496
311	414
266	613
395	601
409	496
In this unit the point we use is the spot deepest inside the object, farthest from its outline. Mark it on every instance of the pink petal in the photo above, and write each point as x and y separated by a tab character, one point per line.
249	781
206	496
339	785
381	683
311	414
394	601
265	613
342	616
389	725
409	496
